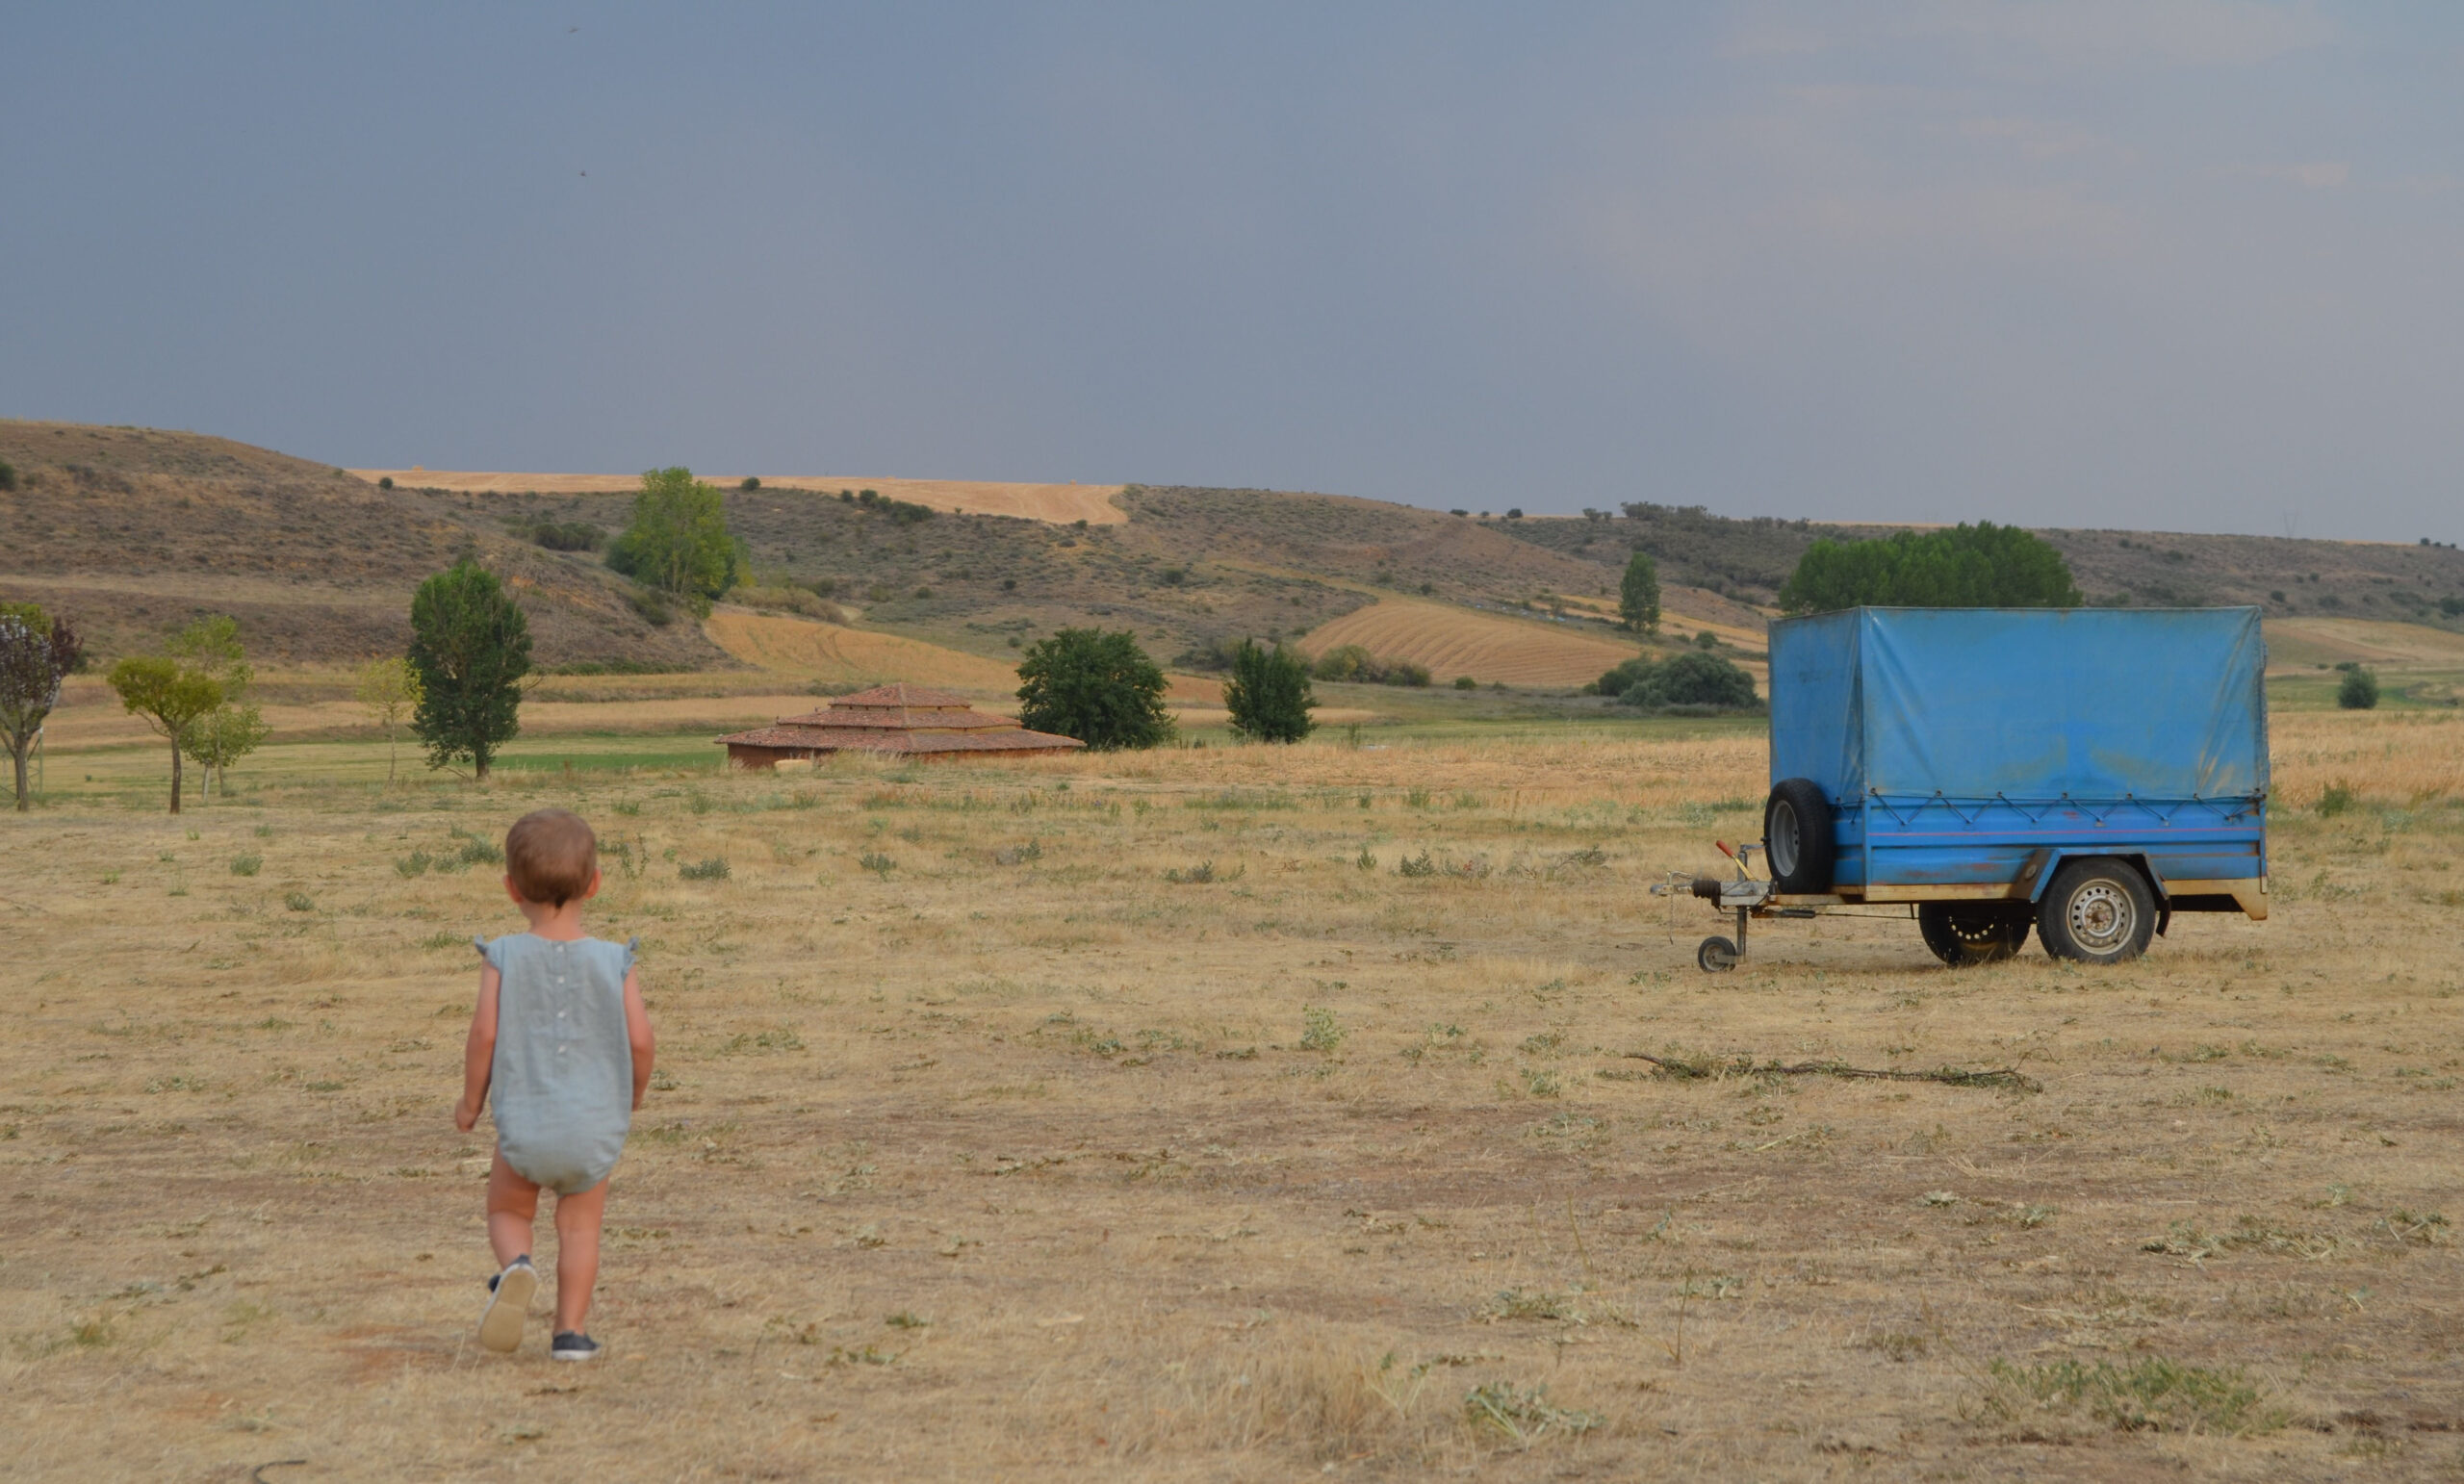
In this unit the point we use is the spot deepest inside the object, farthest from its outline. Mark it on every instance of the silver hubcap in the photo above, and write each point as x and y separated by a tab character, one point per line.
1782	847
2103	916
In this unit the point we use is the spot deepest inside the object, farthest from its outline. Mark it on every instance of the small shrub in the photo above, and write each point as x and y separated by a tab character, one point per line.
879	864
478	851
2358	691
568	536
1707	640
1466	682
298	901
385	482
1319	1032
1416	865
1522	1416
713	869
2149	1394
1365	860
2336	799
247	866
652	605
748	483
1197	875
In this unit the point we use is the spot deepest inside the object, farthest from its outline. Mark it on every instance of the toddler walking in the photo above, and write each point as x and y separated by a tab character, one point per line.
561	1038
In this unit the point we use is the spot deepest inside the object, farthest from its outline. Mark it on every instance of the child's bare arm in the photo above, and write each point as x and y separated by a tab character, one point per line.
637	1029
479	1053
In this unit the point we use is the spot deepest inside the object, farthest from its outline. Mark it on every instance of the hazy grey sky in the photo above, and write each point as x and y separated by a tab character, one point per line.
2190	264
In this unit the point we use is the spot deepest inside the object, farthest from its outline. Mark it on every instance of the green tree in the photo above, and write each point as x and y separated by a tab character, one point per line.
387	690
2359	690
469	648
234	729
171	697
36	652
222	737
1095	686
1638	594
678	542
1979	566
1269	693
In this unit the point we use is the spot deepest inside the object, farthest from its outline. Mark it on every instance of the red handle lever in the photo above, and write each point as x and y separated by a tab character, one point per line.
1723	849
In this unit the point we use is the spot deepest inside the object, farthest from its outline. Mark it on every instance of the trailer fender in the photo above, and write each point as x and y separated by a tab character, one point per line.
2043	862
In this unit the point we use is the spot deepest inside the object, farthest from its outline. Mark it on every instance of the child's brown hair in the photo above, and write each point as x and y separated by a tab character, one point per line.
551	856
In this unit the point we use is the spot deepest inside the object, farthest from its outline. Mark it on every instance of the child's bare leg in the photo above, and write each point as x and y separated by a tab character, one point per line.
577	1218
513	1205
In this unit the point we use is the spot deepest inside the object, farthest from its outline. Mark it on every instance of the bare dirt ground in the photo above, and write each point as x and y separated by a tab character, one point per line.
1154	1116
1057	503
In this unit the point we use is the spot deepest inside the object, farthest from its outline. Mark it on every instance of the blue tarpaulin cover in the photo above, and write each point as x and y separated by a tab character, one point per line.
2083	703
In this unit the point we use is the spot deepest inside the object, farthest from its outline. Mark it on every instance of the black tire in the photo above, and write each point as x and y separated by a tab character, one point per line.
1961	933
1796	836
1716	955
2098	910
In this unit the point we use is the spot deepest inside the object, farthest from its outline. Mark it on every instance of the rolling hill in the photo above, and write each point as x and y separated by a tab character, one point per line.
133	531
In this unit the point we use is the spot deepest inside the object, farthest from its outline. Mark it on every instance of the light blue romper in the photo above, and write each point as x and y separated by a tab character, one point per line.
563	1077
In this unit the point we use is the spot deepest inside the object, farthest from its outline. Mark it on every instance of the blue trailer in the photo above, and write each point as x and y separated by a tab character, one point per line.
2089	773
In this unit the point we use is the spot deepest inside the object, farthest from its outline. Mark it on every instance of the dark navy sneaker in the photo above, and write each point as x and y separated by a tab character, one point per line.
510	1295
573	1346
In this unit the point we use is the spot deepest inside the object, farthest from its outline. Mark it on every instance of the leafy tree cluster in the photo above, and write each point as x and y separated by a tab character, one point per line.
1979	566
1097	686
37	651
1690	677
469	650
678	543
1269	693
1354	663
193	695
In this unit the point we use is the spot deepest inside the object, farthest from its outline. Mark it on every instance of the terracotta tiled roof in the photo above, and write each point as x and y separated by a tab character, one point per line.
901	719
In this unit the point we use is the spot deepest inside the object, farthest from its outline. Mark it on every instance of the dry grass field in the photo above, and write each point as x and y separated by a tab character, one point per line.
1452	641
1057	503
1235	1114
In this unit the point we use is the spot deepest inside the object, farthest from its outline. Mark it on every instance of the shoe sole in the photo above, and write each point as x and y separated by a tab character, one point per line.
586	1355
500	1327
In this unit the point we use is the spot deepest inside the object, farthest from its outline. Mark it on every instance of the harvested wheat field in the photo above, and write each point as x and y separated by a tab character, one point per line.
1235	1114
1057	503
1487	647
832	655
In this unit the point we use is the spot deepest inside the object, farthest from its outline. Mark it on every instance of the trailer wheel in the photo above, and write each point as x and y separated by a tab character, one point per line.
1796	836
1966	932
2098	910
1716	955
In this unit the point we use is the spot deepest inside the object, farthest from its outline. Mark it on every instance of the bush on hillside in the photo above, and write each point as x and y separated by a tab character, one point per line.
789	600
568	535
2358	691
1356	664
1691	677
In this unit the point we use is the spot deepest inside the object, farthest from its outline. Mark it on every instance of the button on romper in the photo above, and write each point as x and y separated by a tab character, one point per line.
563	1077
